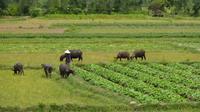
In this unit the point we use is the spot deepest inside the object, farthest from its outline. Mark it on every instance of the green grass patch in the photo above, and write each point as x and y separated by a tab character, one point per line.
33	89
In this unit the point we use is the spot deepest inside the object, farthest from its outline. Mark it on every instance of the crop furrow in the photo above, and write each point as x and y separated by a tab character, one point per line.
138	85
99	81
178	77
154	80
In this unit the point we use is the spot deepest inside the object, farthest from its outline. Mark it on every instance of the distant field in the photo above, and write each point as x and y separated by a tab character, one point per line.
102	25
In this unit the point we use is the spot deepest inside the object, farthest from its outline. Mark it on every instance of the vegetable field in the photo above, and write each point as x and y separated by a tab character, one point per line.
147	82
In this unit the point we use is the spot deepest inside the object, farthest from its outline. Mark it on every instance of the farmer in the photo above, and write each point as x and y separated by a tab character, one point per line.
67	57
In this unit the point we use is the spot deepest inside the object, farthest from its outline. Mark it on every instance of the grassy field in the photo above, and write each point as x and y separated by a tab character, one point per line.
34	89
125	25
96	50
34	41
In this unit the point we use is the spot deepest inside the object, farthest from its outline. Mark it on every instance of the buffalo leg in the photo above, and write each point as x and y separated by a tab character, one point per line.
71	59
66	76
18	72
144	57
63	75
46	73
81	58
22	72
50	73
15	72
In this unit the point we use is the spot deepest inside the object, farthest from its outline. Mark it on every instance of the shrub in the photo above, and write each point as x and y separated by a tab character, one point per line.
157	8
3	12
13	9
76	10
52	10
34	12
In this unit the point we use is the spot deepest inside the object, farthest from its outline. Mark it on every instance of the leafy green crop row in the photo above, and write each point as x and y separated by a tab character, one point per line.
99	81
153	80
180	76
195	65
157	93
183	71
155	72
192	70
154	69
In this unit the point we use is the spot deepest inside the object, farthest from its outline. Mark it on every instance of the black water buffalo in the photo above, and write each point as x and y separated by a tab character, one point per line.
138	54
18	68
123	55
76	54
47	69
65	70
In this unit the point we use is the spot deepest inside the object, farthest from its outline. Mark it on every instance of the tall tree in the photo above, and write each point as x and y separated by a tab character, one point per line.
2	4
25	6
53	6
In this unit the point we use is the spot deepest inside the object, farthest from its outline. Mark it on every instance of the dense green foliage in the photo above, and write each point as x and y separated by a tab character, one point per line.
147	79
152	7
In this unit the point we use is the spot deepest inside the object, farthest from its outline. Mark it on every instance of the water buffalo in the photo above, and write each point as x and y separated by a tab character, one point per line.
18	68
76	54
138	54
65	70
47	69
123	54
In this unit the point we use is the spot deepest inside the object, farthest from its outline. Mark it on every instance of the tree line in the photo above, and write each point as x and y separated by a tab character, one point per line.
147	7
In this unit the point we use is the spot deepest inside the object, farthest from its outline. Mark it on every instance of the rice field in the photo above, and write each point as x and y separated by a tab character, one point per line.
167	81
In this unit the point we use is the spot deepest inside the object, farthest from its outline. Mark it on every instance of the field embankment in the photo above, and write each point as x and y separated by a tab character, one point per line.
104	25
